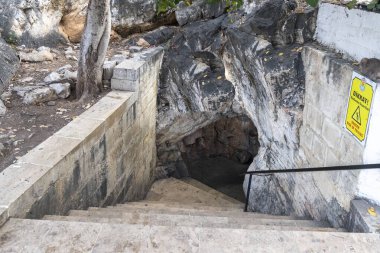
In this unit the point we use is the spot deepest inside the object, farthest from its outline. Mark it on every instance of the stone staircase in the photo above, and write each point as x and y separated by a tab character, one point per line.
178	216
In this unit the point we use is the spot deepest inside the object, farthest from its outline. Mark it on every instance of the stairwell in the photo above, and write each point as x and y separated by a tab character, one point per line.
178	216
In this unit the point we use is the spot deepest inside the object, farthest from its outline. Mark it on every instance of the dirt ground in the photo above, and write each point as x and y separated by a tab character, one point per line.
25	126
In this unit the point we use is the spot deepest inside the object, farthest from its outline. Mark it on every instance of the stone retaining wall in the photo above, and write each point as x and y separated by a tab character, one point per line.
106	155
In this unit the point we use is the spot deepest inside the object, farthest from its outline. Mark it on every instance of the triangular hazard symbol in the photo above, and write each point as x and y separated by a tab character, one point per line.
356	116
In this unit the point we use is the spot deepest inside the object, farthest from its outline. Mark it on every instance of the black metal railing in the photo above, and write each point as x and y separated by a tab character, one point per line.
303	170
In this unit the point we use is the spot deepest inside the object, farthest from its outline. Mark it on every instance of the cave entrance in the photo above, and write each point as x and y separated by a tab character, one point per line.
219	154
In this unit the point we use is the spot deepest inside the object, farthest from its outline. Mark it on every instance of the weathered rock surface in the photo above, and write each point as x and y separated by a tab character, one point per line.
3	109
36	56
129	15
199	9
9	63
260	63
61	89
31	22
39	95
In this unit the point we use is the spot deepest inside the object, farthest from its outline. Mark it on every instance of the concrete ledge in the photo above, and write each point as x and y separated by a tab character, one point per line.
354	32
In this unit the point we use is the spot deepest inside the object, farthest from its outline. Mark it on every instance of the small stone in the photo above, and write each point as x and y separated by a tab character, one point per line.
36	56
51	103
135	49
72	75
53	77
3	108
21	90
39	95
62	70
40	49
61	89
26	80
143	43
6	96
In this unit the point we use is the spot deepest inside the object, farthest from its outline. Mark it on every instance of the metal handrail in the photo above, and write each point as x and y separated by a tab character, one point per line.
303	170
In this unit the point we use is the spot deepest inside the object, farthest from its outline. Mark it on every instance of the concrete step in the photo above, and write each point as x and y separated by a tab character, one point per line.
174	223
174	190
191	211
210	190
193	220
195	206
63	236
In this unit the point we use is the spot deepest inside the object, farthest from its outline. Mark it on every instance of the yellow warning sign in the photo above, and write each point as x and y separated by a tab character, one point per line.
359	106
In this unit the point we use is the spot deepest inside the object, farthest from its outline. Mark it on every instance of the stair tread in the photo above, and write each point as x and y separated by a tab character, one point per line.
199	206
190	211
210	190
65	236
195	212
174	190
206	224
195	220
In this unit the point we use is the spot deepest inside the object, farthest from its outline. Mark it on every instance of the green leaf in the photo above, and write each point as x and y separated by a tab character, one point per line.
372	5
352	4
313	3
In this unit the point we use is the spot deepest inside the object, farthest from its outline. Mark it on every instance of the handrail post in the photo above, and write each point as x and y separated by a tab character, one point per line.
248	193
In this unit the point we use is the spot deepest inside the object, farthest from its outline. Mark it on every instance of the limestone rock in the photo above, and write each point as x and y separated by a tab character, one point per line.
37	56
9	63
62	69
31	23
278	22
21	90
74	19
39	95
131	16
61	89
143	43
199	9
52	77
3	108
70	75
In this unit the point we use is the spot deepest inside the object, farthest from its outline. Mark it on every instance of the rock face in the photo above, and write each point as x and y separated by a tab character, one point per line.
40	22
128	16
31	22
9	63
200	9
259	60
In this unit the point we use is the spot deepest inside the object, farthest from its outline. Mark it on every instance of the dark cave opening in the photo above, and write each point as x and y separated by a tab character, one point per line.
219	154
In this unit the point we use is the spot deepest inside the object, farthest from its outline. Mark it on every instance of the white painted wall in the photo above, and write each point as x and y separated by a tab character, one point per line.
369	181
353	32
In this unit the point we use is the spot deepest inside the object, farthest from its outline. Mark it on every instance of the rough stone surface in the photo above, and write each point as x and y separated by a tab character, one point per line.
31	23
199	9
9	63
61	89
128	15
37	56
52	77
3	109
39	95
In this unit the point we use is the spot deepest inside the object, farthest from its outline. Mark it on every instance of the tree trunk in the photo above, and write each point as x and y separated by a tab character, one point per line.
93	50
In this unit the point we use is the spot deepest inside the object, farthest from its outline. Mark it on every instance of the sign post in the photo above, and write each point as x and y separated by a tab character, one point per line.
359	106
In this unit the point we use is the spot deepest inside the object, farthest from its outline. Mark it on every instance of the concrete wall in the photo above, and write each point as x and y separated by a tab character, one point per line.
354	32
324	141
106	155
